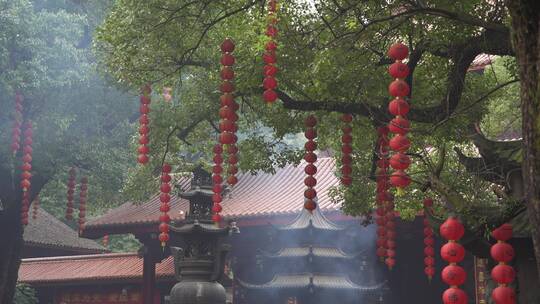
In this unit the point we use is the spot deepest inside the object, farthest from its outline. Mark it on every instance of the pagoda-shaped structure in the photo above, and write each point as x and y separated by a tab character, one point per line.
311	261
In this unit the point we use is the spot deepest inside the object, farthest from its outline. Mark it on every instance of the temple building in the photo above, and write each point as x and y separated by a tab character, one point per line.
281	251
306	263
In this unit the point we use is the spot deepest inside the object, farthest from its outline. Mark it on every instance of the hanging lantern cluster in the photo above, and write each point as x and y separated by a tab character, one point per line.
453	252
17	124
429	242
164	207
502	273
346	150
399	125
70	193
83	195
228	123
35	206
26	174
310	201
144	122
217	183
269	57
382	194
390	235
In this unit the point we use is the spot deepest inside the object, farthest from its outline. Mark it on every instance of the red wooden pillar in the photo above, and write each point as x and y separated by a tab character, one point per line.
149	278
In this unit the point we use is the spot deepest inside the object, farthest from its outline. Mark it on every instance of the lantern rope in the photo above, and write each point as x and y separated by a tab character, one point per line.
83	196
17	124
270	83
453	252
70	193
144	122
164	207
310	194
502	273
399	125
26	174
429	242
346	150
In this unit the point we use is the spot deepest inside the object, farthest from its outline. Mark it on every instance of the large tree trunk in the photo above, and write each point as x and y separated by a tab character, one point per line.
11	242
526	23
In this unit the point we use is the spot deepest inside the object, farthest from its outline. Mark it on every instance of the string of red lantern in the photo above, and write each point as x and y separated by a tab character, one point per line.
346	150
164	207
429	241
17	124
390	234
144	129
269	57
228	124
35	206
310	201
453	252
83	195
70	193
382	194
217	183
399	125
26	174
503	274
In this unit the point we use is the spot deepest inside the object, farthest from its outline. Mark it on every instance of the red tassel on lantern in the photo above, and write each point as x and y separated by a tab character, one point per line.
502	273
164	208
399	125
429	241
452	252
144	121
70	193
83	195
270	83
310	200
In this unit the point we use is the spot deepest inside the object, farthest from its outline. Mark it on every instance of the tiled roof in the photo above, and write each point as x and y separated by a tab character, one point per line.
324	252
307	281
257	195
481	61
89	268
49	232
313	219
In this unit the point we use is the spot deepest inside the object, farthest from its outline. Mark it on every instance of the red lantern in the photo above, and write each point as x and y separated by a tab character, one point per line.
227	60
454	295
452	252
452	229
400	143
502	252
310	157
453	275
398	107
400	179
399	125
502	273
503	233
398	51
400	161
399	88
227	46
504	295
398	70
70	191
270	96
